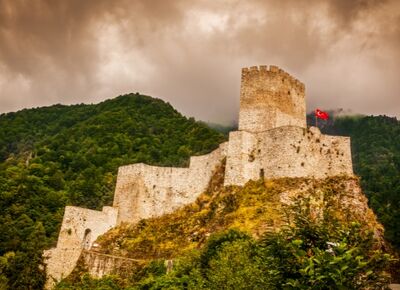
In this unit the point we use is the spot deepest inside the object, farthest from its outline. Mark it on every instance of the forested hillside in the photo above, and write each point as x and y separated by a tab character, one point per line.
59	155
375	142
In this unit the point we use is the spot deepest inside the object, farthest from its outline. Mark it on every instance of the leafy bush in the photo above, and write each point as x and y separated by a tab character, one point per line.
283	260
309	253
344	260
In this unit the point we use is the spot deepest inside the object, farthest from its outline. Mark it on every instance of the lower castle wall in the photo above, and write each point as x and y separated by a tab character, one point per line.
99	265
288	151
79	229
145	191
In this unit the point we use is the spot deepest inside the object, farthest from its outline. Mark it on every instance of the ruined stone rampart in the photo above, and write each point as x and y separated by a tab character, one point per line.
287	151
99	265
80	227
144	191
270	98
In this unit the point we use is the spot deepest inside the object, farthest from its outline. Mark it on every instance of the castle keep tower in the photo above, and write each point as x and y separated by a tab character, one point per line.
270	98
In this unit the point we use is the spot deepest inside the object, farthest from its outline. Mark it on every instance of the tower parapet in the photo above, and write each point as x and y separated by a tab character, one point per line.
270	98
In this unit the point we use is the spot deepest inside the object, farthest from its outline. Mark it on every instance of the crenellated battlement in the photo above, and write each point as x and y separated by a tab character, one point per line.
270	98
273	71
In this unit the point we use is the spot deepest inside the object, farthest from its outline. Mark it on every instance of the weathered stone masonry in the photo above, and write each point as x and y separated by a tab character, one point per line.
272	141
287	151
79	229
144	191
270	98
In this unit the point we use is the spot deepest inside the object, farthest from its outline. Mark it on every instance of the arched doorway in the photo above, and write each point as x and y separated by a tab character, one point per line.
87	239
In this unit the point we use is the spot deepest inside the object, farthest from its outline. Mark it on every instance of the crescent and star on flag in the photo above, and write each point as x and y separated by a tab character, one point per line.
320	115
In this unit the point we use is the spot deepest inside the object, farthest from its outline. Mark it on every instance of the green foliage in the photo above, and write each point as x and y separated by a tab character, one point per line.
324	254
317	247
217	241
69	155
87	283
236	265
344	257
24	269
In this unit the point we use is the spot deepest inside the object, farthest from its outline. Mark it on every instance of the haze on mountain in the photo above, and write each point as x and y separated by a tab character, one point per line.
190	52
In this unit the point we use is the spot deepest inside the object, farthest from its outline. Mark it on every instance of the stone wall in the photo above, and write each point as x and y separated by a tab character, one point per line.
145	191
270	98
287	151
79	229
99	265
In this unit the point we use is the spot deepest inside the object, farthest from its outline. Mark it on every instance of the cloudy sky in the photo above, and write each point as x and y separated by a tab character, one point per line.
190	53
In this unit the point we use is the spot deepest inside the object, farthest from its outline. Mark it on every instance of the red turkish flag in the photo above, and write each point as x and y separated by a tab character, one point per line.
321	114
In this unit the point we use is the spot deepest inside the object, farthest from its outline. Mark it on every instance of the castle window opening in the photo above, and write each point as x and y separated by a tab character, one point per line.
262	173
86	239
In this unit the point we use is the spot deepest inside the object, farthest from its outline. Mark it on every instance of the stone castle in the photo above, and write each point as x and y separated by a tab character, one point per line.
272	141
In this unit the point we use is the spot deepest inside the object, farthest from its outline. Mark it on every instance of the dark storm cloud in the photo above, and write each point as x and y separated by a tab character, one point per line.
190	52
346	11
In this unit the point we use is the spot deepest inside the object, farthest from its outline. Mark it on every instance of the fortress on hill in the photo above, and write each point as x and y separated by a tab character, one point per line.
272	141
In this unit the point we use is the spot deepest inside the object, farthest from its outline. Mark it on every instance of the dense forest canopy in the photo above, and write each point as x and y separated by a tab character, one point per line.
68	155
